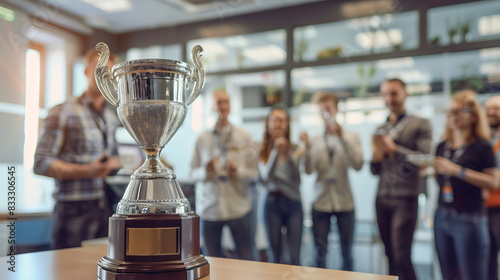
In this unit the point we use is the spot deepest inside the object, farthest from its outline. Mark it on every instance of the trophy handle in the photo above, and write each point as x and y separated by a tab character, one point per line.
102	74
198	75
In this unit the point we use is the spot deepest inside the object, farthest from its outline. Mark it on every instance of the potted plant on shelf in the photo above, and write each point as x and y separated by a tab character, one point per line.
452	31
333	52
464	30
301	48
365	75
240	58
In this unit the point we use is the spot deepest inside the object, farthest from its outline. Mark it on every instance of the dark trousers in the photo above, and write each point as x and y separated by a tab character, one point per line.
397	218
253	221
240	230
494	229
462	244
281	211
321	228
75	221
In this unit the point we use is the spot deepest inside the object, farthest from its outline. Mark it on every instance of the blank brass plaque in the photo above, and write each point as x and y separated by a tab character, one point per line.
152	241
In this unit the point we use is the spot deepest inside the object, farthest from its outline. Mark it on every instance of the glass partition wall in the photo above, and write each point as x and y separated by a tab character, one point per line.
354	37
435	51
350	57
242	51
471	22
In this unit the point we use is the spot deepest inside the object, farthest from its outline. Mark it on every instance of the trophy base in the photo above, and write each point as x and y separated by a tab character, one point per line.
153	247
170	271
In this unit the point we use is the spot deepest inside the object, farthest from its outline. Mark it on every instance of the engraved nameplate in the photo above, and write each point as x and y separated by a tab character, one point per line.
152	241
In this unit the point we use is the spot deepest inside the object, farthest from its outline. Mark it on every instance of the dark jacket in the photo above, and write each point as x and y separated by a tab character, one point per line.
398	177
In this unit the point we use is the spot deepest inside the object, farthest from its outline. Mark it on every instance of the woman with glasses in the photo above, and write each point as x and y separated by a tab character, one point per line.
465	165
279	172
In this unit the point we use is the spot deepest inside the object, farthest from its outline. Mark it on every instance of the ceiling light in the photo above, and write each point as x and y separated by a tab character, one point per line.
111	6
197	6
489	25
98	22
265	53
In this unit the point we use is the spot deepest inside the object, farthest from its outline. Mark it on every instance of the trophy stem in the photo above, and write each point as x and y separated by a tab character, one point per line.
153	167
154	234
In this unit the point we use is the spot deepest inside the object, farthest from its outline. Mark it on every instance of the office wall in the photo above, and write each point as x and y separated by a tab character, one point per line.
61	48
13	45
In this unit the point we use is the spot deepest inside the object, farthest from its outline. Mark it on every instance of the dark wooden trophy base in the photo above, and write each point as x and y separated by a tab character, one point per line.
153	247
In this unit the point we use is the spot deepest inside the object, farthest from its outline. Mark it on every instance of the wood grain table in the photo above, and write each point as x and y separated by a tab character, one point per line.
81	264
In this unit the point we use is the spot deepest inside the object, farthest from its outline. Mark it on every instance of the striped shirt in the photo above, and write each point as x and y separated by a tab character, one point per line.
76	133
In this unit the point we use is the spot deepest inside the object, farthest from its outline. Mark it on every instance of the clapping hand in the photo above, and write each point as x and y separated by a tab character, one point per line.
445	166
232	168
281	144
210	167
305	138
104	166
385	144
99	168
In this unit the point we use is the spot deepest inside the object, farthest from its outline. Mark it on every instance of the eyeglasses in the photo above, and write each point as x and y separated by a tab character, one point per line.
459	110
492	108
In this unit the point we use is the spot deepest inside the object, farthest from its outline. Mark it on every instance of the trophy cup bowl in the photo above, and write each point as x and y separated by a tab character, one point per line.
153	234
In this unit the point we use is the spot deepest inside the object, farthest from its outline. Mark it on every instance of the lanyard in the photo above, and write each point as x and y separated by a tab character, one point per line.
496	148
394	130
456	155
453	158
100	123
223	147
331	150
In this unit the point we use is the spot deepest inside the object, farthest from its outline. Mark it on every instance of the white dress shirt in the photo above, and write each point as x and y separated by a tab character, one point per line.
217	197
333	195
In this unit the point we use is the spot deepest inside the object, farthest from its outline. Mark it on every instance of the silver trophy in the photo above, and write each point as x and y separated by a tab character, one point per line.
154	232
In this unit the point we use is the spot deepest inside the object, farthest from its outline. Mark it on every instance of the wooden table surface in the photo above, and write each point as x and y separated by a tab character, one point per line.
81	263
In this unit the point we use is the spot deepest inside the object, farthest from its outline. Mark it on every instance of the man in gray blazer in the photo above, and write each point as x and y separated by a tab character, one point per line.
397	197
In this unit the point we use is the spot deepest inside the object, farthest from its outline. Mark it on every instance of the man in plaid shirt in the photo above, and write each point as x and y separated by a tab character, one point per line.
78	149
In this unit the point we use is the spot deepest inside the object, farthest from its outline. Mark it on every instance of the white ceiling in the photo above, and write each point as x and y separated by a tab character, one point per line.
146	14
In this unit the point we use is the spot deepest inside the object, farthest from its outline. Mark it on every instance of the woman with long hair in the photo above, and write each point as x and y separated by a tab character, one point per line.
465	165
279	172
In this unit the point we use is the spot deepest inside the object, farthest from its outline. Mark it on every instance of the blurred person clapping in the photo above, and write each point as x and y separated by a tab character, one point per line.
465	165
